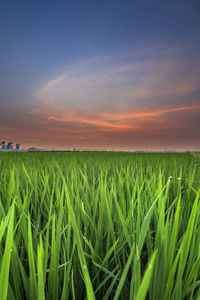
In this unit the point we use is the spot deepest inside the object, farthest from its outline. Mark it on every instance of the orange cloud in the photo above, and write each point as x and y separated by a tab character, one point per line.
52	128
146	114
182	88
99	123
110	121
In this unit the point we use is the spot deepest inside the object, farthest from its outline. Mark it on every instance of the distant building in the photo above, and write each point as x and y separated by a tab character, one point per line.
9	146
17	147
3	145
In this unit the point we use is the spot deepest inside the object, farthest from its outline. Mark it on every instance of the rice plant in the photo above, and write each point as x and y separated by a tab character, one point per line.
86	225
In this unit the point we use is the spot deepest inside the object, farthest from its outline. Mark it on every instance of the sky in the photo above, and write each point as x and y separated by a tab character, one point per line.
105	75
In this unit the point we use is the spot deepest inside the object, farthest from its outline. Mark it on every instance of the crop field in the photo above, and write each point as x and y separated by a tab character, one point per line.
99	225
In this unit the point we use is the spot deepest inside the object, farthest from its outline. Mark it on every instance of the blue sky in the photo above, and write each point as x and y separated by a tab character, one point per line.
100	74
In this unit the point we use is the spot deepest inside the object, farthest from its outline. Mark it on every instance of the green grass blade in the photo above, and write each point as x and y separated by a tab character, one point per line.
5	267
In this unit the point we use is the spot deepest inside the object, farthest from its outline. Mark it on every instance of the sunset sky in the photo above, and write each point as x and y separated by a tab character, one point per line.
100	74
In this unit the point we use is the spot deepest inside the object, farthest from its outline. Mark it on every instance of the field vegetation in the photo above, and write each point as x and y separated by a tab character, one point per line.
99	226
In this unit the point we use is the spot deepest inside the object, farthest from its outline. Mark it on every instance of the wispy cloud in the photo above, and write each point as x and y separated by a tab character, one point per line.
139	98
178	89
151	113
123	121
135	98
105	83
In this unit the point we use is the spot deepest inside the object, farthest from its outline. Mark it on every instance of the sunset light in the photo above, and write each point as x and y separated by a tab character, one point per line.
114	76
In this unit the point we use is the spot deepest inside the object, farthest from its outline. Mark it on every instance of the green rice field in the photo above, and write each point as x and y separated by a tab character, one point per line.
99	225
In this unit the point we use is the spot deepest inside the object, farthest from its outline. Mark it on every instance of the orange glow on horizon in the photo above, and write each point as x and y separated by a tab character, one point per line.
113	121
67	128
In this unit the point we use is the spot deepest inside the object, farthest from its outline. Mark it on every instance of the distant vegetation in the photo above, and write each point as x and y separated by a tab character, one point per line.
99	225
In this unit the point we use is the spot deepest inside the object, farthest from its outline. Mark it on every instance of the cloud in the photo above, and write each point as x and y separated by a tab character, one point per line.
127	101
141	98
152	113
108	83
179	89
123	121
167	127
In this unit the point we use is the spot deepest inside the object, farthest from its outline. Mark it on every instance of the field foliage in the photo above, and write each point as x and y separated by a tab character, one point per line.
99	226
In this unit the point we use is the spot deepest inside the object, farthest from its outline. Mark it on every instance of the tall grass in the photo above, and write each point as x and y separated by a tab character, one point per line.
99	226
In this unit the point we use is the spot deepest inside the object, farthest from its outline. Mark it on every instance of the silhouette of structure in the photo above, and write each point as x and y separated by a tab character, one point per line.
9	146
3	145
17	147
